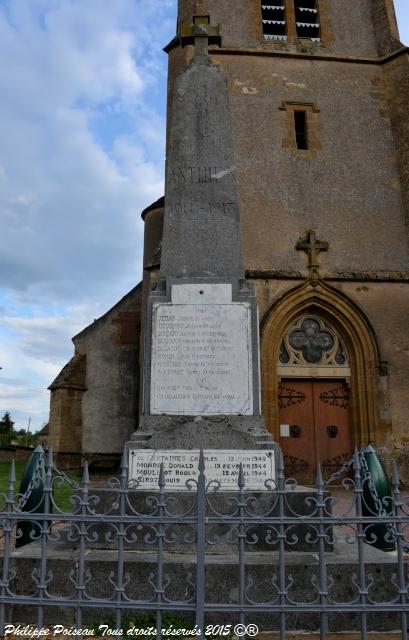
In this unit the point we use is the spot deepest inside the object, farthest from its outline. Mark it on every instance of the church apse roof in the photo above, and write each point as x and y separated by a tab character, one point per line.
94	325
72	376
158	204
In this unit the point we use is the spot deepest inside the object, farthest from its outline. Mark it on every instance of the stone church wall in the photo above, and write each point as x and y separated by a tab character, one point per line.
387	307
386	27
397	97
65	422
109	406
94	400
341	188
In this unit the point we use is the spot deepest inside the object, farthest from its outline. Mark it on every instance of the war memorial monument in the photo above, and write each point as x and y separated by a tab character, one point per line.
201	382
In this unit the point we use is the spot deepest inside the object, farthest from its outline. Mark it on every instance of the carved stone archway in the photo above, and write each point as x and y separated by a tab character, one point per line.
358	336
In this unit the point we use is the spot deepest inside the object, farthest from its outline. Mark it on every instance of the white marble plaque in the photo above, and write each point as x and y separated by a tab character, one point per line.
220	465
201	354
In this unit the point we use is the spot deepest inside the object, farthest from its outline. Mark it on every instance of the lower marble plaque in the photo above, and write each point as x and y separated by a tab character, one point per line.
220	465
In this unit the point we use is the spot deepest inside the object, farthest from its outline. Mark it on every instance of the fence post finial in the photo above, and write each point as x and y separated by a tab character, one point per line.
50	458
319	481
85	474
395	475
357	461
12	473
125	459
280	464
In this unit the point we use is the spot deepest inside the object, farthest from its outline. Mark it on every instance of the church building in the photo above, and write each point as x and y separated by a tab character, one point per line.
319	101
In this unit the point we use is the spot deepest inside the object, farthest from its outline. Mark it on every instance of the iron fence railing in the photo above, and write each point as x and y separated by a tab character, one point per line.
285	558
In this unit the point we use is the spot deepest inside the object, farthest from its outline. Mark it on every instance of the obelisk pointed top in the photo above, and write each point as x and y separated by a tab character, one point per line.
201	229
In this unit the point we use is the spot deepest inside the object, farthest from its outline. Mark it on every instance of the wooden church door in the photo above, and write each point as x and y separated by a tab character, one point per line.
314	426
313	398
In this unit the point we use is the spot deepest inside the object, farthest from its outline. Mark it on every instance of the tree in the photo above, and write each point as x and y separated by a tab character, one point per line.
6	428
6	424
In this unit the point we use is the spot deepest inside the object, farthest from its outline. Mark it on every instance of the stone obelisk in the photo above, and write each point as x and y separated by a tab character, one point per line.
201	384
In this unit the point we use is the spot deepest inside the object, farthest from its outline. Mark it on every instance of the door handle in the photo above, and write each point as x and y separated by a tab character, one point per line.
332	430
295	431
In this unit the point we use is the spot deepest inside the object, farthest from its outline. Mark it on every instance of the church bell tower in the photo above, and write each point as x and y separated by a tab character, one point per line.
319	96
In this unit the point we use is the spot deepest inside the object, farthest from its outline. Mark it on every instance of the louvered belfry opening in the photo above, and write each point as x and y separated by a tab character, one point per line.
307	19
274	21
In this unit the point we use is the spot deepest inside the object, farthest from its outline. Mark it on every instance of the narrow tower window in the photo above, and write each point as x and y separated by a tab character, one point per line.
307	19
301	130
274	20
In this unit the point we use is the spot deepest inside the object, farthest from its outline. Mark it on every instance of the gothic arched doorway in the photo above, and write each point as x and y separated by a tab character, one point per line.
338	366
313	398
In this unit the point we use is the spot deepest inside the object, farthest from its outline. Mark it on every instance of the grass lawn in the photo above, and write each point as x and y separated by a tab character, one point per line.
62	492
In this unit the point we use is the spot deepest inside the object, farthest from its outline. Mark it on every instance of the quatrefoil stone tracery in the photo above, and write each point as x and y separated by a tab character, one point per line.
310	342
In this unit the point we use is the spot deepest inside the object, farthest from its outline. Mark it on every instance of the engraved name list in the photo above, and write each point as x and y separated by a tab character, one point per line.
201	359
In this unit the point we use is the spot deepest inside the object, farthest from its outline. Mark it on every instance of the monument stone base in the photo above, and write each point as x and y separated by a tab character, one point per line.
202	432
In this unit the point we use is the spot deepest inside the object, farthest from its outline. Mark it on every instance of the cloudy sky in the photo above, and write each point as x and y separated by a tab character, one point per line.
81	154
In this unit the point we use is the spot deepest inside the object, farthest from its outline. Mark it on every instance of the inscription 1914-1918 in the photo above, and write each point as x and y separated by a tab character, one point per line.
205	209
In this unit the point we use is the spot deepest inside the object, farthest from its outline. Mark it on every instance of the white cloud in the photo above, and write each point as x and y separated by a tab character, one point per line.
67	201
32	352
44	339
79	81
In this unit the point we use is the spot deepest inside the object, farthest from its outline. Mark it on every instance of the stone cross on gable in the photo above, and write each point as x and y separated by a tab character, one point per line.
312	247
200	33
